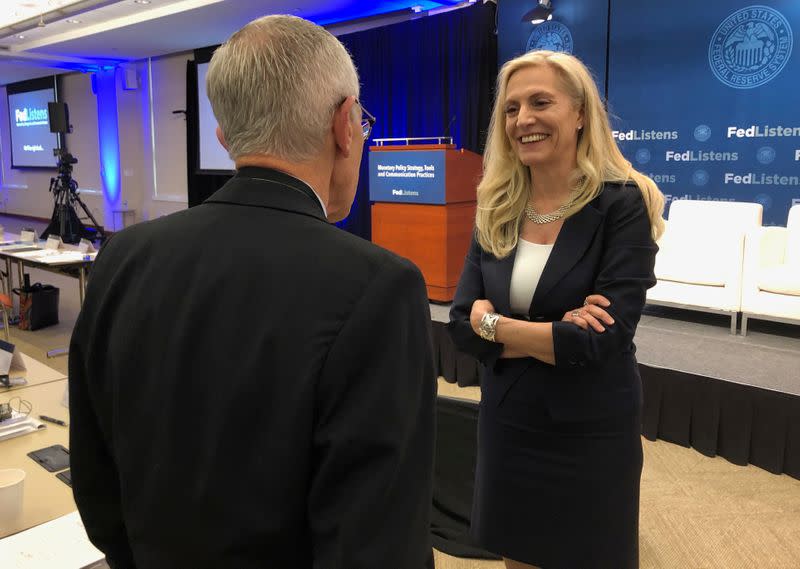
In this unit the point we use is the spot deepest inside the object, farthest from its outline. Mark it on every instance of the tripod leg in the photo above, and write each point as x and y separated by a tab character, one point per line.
75	197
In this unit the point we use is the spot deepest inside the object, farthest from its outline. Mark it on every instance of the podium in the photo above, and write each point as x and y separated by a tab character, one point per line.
424	207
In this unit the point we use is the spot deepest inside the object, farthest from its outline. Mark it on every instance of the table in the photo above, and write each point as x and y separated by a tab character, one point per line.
36	373
45	496
72	267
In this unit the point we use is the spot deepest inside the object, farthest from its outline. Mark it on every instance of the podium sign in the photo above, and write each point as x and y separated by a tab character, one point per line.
407	176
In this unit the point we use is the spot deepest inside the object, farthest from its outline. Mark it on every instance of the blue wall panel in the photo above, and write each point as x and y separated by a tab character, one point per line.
587	23
702	101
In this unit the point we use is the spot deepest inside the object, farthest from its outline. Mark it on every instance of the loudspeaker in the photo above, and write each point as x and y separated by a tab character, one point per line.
58	116
130	81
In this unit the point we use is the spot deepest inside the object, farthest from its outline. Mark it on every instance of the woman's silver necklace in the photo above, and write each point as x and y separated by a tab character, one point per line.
542	218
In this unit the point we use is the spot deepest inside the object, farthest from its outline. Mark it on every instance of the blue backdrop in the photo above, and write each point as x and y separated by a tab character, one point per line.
699	94
579	25
716	86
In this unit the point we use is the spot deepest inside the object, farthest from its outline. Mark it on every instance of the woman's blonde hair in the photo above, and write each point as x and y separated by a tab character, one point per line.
505	188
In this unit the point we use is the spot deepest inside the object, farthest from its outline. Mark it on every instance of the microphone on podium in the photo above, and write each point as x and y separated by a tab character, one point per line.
447	130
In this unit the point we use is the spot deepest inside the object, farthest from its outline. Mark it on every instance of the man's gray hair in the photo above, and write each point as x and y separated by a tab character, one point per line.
275	84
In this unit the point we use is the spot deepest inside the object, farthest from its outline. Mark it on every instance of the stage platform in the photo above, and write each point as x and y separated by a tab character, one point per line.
732	396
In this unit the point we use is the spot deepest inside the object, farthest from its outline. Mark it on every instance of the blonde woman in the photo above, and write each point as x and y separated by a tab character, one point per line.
552	290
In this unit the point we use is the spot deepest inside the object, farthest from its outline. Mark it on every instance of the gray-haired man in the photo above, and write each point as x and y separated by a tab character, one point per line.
251	387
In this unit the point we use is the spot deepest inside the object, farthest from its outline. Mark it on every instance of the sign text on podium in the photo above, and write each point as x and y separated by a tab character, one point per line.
407	176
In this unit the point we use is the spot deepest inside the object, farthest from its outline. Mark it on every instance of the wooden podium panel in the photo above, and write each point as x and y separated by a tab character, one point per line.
434	237
431	225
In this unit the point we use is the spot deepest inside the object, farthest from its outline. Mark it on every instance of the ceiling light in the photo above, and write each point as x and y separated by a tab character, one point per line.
141	1
13	12
543	11
73	21
21	37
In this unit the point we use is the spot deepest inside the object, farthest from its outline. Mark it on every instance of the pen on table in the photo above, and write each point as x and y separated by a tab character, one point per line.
51	420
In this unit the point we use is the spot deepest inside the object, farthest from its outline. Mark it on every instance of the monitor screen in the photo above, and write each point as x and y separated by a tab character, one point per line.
213	157
32	143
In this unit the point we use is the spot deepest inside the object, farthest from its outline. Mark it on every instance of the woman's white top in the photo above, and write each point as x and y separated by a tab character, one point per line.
528	267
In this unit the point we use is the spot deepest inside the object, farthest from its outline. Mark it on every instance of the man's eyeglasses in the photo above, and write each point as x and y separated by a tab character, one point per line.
367	121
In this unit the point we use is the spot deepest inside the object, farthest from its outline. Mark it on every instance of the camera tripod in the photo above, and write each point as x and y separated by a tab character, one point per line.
65	221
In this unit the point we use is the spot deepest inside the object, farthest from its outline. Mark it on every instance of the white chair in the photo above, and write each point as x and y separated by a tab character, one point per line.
771	284
699	263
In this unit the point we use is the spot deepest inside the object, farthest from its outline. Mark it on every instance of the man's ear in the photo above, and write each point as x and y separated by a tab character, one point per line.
221	138
343	126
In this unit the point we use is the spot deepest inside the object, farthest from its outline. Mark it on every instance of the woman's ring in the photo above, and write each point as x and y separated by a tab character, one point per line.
576	313
586	302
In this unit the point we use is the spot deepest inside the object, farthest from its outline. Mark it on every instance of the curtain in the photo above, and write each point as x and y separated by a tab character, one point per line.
428	77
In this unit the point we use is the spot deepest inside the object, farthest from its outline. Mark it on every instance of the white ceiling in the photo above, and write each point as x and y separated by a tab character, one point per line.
124	30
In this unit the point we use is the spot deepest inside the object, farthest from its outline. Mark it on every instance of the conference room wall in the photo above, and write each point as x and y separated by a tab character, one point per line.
82	142
134	180
24	191
164	141
152	155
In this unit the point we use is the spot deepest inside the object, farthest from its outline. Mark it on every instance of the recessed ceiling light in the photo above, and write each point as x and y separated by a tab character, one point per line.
141	1
73	21
21	37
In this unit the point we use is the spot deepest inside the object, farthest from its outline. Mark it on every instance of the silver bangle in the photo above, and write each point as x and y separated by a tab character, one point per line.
488	326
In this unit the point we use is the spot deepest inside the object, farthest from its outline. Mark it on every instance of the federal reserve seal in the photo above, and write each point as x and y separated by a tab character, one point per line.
766	155
700	177
554	36
702	133
643	156
764	200
750	47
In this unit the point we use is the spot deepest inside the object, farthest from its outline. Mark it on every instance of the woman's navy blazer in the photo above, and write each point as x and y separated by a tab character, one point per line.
605	248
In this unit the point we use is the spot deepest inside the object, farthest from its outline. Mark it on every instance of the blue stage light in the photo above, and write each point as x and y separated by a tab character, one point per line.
381	7
108	131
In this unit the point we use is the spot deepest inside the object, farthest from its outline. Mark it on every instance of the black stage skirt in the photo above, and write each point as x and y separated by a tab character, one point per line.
558	495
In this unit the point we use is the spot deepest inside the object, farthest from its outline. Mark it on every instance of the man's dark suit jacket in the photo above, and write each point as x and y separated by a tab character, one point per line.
605	248
251	387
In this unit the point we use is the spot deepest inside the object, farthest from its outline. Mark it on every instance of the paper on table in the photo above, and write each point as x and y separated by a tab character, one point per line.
52	257
36	253
61	543
18	425
18	247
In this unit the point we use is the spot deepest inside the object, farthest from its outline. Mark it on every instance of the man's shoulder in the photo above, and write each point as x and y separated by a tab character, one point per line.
145	232
338	254
351	249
